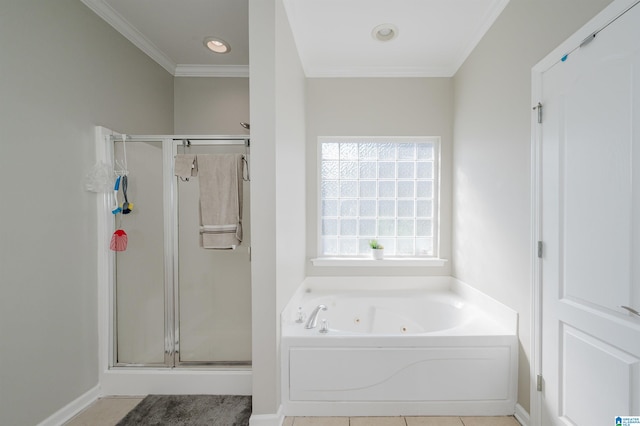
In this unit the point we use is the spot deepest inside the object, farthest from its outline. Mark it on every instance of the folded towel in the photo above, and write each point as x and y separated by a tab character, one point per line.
186	165
220	178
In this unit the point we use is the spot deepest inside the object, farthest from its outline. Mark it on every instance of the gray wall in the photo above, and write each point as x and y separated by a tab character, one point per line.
379	107
211	105
62	71
491	170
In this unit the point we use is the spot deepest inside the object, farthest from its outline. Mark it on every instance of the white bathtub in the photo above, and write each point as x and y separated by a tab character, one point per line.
398	346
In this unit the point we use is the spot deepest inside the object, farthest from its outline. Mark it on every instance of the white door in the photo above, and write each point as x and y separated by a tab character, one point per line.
590	222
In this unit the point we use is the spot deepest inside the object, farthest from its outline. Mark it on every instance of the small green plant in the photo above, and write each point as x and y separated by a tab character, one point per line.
375	245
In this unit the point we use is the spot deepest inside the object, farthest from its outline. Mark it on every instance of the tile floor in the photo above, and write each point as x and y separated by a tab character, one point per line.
401	421
109	411
106	411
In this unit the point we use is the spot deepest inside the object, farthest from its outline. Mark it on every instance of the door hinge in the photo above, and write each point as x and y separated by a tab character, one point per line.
539	383
540	249
539	109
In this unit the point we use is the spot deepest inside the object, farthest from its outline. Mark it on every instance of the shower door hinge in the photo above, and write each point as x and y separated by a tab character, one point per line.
540	249
539	383
539	109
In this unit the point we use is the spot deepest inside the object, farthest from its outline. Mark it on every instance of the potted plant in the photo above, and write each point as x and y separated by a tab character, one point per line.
377	250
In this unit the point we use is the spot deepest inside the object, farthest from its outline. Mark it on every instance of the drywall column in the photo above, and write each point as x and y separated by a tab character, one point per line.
278	190
263	213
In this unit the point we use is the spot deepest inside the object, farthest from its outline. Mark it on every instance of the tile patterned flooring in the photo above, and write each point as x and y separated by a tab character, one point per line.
401	421
106	411
109	411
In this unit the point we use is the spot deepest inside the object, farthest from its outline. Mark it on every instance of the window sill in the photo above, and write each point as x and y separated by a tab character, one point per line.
366	262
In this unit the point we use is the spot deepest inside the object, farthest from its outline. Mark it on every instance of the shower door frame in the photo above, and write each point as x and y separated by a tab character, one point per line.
105	140
236	380
175	142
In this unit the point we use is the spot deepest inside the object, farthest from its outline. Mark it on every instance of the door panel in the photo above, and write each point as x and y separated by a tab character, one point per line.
596	167
592	369
590	220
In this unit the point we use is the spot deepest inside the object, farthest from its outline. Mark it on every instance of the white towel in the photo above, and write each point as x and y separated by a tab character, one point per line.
220	178
186	165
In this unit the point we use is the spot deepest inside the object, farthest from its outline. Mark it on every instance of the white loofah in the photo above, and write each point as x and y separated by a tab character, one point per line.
100	178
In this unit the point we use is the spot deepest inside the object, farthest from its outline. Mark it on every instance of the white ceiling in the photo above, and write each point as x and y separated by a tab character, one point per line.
333	37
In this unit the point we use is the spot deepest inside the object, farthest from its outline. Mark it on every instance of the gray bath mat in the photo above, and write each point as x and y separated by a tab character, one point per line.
190	410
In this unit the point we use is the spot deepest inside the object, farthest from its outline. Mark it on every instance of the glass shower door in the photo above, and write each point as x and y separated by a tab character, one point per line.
140	270
213	308
175	303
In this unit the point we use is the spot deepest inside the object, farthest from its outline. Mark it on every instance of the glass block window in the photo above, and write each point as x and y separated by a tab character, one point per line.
379	188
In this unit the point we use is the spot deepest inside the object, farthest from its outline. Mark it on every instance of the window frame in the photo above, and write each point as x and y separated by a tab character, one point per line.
431	259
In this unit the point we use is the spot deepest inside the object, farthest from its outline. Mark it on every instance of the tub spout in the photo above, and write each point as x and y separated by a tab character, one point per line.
313	318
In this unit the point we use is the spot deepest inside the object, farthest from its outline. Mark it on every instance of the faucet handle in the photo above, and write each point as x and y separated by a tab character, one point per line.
300	317
324	326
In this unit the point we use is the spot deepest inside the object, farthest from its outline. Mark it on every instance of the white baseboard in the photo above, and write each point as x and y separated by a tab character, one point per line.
522	416
267	419
73	408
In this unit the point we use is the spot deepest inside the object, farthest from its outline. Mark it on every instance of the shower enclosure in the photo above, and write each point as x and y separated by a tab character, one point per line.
171	304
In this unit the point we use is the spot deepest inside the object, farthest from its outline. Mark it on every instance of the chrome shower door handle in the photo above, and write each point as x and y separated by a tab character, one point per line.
631	310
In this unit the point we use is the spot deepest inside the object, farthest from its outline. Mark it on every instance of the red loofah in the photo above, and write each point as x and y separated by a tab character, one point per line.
119	240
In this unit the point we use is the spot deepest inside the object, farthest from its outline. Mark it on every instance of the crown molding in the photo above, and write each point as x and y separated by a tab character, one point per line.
113	18
183	70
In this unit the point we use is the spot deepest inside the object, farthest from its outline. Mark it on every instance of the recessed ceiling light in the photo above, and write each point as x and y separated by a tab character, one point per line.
216	45
385	32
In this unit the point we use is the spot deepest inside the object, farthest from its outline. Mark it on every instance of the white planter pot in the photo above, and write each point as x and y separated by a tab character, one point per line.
378	254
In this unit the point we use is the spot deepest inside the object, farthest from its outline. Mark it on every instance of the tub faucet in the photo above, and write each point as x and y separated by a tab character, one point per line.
313	318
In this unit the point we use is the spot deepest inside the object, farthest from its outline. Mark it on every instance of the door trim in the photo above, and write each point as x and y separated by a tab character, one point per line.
609	14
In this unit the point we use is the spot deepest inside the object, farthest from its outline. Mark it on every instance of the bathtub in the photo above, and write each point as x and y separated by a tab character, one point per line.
397	346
